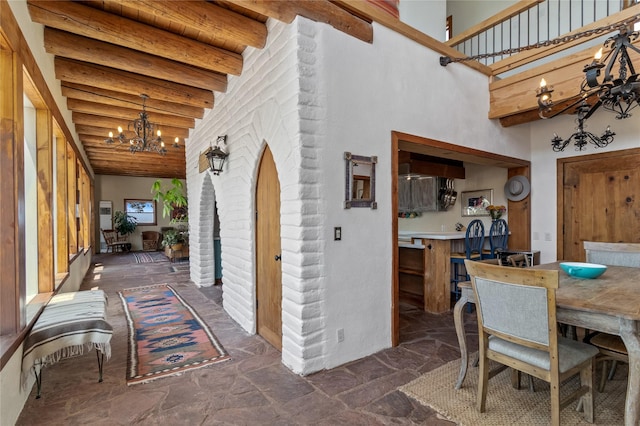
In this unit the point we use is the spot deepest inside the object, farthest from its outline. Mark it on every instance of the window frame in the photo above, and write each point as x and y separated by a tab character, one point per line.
128	201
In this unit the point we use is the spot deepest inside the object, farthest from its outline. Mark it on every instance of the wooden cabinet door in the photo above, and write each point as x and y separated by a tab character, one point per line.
599	200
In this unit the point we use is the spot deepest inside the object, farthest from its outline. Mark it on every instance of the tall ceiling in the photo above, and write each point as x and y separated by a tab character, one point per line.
178	53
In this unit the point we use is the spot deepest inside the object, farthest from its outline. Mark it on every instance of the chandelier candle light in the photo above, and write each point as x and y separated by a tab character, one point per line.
618	94
143	130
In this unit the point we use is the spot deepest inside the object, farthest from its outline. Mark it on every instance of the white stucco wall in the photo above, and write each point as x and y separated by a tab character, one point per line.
544	221
312	94
427	16
373	89
262	107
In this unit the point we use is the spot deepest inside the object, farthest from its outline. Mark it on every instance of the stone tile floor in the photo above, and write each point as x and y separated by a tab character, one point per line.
253	388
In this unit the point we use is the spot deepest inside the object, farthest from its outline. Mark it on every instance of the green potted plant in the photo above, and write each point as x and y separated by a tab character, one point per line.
172	199
124	224
172	239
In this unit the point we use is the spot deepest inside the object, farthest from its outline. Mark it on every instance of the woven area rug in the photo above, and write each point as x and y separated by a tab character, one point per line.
508	406
149	256
166	336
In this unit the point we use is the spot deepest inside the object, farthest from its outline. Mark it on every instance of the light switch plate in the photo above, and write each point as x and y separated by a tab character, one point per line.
337	233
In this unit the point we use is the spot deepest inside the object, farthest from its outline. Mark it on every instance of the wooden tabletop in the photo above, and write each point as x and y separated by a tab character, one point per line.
616	292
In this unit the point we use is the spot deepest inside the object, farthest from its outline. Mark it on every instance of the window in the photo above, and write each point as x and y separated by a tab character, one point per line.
144	211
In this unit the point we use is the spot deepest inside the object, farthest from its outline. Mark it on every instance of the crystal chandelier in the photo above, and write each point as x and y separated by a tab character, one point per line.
143	130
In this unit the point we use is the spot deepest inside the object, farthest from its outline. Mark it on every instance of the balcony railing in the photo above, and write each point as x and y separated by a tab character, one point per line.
531	22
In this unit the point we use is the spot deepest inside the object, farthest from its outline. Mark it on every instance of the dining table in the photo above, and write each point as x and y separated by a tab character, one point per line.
609	303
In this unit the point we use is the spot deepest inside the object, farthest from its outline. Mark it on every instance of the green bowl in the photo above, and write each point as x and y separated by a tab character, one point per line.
583	270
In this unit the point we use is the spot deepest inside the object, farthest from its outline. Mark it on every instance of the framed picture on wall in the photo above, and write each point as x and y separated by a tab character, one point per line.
475	203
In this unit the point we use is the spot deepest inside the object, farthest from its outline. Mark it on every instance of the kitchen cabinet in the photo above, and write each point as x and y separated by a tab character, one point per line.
418	194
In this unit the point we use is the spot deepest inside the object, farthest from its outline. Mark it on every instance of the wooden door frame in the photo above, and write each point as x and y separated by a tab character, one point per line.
560	167
522	209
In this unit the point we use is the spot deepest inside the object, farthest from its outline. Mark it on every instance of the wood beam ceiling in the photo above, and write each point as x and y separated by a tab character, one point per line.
109	52
178	53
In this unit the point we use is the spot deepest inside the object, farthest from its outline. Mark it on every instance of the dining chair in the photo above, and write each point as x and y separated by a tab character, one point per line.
473	243
518	260
498	238
611	347
517	328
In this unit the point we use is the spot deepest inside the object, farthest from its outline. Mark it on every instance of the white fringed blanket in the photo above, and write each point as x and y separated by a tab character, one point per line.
69	323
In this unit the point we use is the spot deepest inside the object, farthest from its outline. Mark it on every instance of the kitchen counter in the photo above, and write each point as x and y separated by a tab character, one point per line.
424	268
408	235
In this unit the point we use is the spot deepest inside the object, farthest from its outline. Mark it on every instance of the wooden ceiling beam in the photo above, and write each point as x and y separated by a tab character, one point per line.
224	24
69	70
122	154
103	132
94	141
109	97
72	46
157	170
113	123
127	114
276	9
93	23
316	10
337	17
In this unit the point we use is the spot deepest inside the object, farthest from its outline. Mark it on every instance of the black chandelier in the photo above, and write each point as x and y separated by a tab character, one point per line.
581	137
618	94
143	130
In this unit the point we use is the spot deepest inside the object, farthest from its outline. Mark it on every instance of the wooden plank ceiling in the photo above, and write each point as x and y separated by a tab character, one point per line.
108	53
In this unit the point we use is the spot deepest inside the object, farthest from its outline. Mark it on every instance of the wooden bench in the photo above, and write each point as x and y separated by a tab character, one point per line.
69	323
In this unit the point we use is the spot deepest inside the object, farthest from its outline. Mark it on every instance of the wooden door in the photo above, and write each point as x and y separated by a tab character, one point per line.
268	265
598	200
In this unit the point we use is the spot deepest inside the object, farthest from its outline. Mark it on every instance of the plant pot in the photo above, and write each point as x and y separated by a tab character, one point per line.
176	247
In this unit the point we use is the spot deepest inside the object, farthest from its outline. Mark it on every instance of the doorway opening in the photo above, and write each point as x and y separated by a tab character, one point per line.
519	213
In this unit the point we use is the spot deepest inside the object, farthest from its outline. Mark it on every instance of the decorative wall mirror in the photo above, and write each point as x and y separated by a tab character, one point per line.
360	183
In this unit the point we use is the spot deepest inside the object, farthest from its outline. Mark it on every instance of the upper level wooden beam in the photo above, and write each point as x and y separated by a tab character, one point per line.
517	94
83	20
68	45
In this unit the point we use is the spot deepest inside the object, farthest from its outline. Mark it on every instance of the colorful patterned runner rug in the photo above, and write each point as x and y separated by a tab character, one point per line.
166	336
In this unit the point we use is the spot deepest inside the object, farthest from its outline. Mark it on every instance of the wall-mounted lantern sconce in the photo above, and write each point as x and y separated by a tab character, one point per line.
216	156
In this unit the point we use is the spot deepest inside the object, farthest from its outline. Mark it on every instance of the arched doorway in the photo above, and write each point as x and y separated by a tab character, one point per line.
268	252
